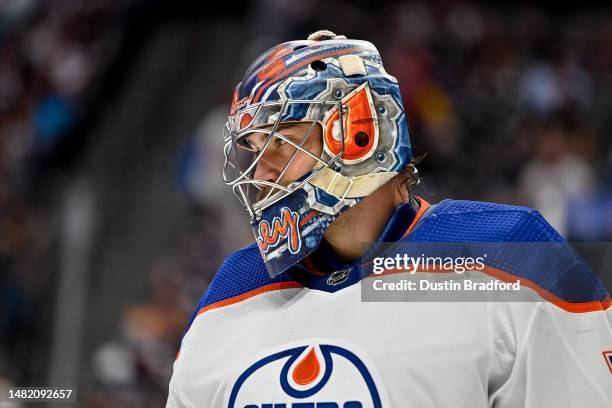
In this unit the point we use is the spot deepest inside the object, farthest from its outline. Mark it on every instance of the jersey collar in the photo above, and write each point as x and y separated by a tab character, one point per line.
324	271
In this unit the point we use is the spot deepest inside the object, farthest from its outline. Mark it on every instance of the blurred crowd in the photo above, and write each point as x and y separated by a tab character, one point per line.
134	366
509	104
50	54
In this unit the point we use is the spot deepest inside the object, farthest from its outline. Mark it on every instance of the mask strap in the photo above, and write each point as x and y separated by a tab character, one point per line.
343	187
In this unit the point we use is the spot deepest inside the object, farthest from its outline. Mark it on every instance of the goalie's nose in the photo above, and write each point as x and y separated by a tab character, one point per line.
267	168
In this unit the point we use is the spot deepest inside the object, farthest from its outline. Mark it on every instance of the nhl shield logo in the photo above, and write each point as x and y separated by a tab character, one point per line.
337	277
309	375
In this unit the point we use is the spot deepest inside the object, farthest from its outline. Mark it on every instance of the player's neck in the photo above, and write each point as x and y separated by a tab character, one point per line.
365	221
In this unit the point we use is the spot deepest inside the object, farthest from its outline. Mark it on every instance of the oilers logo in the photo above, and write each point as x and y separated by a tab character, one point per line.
320	375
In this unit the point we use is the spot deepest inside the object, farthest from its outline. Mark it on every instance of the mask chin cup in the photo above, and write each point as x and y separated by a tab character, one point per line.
292	228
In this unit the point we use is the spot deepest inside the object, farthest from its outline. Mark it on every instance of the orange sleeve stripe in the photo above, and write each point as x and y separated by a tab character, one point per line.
573	307
236	299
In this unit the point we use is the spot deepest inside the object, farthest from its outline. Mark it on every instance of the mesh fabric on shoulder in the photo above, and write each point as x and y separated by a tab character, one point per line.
475	221
550	262
241	272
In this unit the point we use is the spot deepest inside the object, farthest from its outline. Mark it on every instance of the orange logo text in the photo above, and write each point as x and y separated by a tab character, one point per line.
284	227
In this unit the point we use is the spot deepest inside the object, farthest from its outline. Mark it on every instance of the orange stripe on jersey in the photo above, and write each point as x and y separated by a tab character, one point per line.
423	207
236	299
573	307
290	285
312	268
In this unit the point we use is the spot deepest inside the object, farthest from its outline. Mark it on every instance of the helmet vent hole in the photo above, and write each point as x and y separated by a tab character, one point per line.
318	65
362	139
299	47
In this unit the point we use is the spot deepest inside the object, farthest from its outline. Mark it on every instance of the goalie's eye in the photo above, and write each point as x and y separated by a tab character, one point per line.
246	144
280	142
248	147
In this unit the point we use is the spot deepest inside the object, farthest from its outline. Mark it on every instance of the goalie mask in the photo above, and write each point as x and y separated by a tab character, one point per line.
339	86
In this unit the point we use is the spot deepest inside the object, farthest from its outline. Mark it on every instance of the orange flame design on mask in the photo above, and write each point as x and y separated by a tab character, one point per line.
360	126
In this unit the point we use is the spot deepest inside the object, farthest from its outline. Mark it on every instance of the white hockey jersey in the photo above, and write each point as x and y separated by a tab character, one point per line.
305	339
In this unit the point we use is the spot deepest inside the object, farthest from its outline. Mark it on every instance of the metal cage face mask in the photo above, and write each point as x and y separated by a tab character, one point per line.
241	160
340	87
